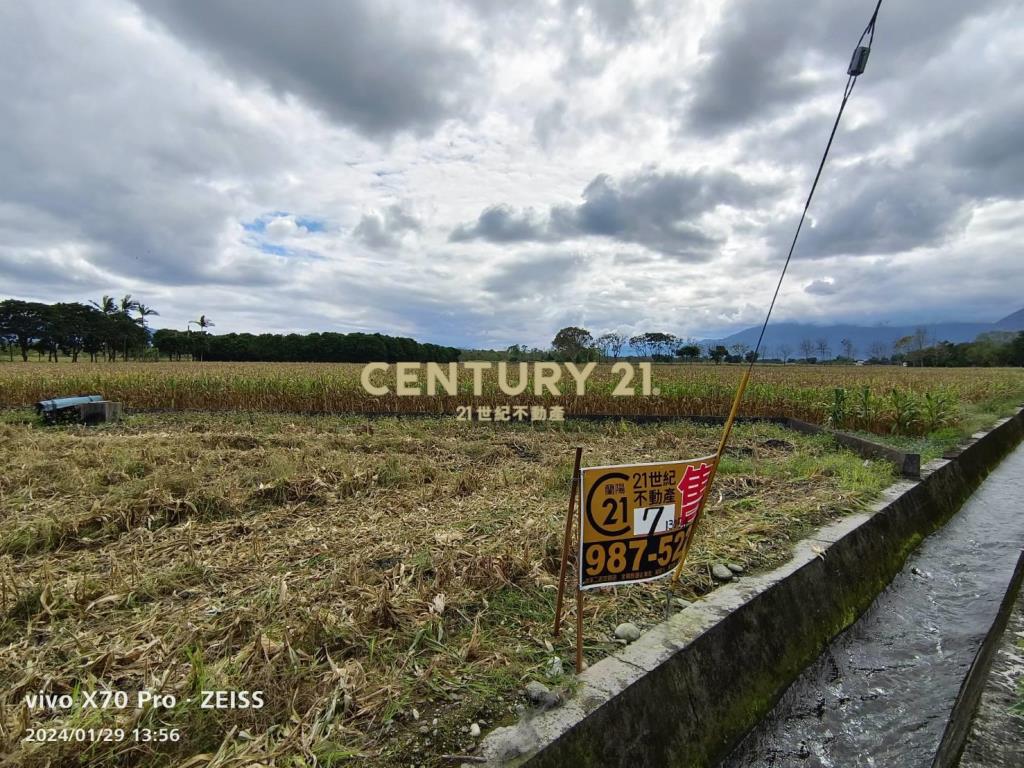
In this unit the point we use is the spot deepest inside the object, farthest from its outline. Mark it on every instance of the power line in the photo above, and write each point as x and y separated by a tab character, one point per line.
856	68
853	73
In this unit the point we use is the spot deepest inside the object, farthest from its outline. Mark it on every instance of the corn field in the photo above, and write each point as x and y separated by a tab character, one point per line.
881	399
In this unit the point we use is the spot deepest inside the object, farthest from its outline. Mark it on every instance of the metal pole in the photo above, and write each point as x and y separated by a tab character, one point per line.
573	486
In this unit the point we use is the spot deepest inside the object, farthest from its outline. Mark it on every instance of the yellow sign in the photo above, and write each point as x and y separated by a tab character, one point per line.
634	517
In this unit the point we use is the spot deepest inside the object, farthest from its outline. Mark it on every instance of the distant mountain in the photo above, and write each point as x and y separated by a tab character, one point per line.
1014	322
864	337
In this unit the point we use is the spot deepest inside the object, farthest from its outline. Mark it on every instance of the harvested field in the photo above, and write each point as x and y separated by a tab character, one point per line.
386	583
879	399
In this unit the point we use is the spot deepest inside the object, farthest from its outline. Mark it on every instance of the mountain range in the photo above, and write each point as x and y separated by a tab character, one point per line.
865	338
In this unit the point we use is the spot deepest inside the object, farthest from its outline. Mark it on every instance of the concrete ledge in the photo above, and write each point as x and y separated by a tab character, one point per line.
688	690
996	736
958	726
909	464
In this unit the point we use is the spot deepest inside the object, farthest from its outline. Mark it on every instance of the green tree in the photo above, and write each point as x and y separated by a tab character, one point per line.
23	322
640	343
661	345
106	305
572	343
1015	350
611	344
144	312
199	343
688	352
203	322
739	349
75	326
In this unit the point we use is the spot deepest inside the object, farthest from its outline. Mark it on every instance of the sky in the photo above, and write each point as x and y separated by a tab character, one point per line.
482	173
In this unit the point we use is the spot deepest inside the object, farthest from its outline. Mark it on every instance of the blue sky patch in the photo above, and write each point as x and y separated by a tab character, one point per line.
310	225
277	250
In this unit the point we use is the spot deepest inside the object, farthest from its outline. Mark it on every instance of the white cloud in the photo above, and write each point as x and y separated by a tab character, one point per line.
282	227
229	162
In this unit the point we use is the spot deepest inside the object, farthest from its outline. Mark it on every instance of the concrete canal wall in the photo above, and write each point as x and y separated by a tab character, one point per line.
688	690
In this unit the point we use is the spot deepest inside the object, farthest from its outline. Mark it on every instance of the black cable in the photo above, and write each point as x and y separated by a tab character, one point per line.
869	33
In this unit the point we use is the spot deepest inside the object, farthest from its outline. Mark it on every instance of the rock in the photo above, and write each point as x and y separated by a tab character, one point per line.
721	572
540	695
424	729
507	743
627	631
680	603
735	567
474	731
554	668
536	690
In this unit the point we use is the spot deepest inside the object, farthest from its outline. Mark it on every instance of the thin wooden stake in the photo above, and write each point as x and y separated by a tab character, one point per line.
579	630
573	486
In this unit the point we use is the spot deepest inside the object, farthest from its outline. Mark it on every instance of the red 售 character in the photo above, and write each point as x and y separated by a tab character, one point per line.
691	490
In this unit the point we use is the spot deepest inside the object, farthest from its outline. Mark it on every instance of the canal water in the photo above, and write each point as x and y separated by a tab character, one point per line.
881	693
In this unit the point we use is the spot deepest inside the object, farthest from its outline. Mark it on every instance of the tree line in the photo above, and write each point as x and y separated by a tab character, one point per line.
304	348
101	330
111	329
580	345
989	349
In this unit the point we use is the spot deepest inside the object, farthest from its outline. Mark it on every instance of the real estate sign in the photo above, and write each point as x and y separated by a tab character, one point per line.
634	518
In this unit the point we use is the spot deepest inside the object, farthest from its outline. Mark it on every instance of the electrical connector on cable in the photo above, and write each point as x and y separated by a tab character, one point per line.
859	61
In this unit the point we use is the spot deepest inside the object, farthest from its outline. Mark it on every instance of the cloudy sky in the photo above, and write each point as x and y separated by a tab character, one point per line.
481	173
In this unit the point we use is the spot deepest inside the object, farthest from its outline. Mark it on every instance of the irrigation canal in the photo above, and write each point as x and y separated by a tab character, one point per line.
881	693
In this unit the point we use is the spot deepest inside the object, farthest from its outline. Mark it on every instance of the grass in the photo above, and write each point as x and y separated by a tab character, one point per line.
370	576
970	418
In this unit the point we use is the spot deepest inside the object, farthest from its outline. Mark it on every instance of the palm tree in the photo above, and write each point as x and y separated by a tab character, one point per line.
105	305
144	312
128	304
203	322
108	307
